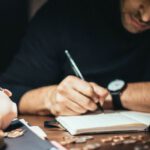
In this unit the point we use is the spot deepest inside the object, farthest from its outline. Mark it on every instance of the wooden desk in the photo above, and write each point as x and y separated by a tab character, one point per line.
58	135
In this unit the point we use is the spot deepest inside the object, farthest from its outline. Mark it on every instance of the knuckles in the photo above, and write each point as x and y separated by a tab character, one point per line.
60	99
89	91
63	88
69	79
65	84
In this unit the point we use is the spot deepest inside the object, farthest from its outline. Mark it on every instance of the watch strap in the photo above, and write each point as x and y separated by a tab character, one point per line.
116	101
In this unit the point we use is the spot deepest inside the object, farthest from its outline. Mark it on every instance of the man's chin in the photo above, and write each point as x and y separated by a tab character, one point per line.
133	30
132	27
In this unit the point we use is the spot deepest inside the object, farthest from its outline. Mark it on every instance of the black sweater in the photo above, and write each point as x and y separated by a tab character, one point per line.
92	31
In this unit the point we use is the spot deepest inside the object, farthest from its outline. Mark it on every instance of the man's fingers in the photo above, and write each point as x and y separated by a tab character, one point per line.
77	109
80	85
68	112
100	91
75	96
81	100
65	111
70	104
65	107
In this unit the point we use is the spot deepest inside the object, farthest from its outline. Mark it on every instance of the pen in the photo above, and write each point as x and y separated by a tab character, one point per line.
74	66
76	70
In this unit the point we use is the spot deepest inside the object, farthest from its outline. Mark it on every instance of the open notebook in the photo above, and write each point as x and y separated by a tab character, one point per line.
108	122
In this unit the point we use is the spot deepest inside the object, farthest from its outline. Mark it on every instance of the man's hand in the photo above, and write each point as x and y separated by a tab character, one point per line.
74	96
101	92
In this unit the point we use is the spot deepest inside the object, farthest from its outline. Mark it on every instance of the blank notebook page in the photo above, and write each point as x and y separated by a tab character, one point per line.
94	121
141	117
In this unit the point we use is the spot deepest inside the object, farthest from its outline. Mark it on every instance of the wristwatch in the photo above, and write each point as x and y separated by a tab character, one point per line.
115	88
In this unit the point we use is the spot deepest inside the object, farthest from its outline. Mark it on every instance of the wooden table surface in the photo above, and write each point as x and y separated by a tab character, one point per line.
59	135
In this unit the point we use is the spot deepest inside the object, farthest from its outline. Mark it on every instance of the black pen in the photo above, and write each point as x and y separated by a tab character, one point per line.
76	70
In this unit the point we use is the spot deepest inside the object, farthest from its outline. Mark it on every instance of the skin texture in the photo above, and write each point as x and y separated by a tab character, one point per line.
74	96
135	15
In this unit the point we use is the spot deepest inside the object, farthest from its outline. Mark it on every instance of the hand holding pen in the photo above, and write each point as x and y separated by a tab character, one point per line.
73	95
99	91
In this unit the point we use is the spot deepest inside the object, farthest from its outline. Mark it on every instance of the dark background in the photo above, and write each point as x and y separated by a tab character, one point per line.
13	21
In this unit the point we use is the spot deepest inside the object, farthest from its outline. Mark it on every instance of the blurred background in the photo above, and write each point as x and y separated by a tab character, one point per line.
14	17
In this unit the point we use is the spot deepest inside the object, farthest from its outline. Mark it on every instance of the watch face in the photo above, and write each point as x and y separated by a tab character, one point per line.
116	85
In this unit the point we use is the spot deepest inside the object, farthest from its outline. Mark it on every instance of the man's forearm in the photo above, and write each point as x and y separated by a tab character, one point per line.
137	96
36	101
39	101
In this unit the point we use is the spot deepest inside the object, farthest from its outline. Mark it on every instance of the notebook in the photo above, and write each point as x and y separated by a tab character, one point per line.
105	122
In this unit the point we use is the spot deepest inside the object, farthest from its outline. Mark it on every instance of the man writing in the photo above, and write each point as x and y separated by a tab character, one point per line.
108	40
